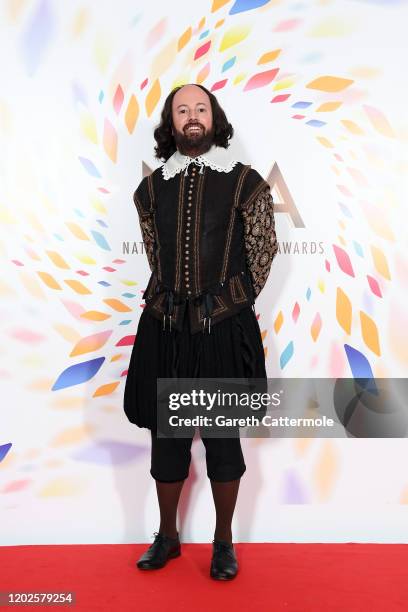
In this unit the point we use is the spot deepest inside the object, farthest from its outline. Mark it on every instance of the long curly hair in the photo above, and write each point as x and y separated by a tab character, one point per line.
166	146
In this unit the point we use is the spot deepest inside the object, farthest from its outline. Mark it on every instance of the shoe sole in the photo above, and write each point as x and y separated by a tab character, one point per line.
172	555
215	577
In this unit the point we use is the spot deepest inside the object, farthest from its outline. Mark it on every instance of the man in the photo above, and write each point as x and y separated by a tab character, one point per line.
208	228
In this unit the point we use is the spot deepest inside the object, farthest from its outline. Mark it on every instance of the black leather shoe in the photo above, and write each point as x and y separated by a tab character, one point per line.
224	565
158	553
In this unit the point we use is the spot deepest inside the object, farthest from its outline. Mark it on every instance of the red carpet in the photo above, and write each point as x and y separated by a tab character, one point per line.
272	577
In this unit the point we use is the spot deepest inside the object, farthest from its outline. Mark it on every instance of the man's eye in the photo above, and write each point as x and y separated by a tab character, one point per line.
183	110
202	110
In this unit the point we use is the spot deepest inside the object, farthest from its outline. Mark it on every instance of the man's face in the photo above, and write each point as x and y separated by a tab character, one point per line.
192	120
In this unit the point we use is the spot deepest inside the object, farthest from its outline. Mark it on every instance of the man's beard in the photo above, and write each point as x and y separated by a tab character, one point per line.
194	144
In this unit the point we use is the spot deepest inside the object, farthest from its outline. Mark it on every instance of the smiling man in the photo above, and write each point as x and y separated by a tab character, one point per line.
208	228
193	128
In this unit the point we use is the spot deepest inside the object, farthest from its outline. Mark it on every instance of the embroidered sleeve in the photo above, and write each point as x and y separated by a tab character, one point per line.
260	238
148	237
146	221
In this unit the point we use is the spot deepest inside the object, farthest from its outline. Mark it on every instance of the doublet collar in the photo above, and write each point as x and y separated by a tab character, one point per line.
216	158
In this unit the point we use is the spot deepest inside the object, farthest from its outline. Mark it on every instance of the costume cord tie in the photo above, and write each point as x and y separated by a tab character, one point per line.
197	161
172	299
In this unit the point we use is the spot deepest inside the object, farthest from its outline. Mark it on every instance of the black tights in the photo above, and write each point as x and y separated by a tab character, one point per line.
224	495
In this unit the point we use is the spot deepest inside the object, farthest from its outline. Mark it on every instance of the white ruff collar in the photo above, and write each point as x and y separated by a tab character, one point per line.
217	158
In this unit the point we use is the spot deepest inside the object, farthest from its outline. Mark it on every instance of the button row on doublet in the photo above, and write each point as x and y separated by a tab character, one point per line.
186	256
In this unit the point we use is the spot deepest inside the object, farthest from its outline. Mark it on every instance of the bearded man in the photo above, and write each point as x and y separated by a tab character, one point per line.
208	227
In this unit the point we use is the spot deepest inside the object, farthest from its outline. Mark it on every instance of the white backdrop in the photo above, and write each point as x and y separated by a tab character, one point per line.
315	90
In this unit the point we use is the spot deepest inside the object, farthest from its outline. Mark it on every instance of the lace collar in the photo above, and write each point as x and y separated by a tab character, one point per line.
217	158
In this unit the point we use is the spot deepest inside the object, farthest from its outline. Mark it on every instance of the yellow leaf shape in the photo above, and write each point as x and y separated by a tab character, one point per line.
102	51
6	289
153	97
278	322
404	496
164	60
184	39
6	216
375	217
240	77
234	36
117	357
269	56
110	140
380	262
76	230
217	4
95	315
352	127
85	259
117	305
325	471
331	27
68	402
67	332
34	288
398	331
80	22
106	389
34	222
78	287
41	384
88	127
63	487
91	343
325	142
30	454
328	107
57	260
49	280
316	327
365	72
129	283
181	80
343	310
370	333
72	435
132	114
15	9
329	83
283	84
98	206
203	74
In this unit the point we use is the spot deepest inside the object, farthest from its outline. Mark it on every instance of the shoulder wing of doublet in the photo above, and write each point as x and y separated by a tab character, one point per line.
142	197
253	184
